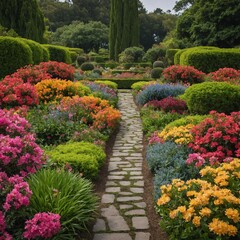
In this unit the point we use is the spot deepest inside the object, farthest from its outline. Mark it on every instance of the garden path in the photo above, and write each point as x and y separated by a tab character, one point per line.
123	209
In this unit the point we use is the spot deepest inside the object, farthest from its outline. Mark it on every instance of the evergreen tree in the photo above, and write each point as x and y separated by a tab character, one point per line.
124	26
24	16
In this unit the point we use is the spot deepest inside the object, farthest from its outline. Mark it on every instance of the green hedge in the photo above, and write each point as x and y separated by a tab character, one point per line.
59	53
37	50
219	96
46	54
210	61
170	53
79	51
14	54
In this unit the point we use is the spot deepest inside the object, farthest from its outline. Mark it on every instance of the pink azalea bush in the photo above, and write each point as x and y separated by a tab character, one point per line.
19	153
215	139
44	225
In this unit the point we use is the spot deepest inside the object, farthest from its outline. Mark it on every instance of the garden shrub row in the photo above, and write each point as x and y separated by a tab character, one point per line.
19	52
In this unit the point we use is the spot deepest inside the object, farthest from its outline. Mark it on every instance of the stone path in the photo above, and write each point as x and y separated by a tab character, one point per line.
122	213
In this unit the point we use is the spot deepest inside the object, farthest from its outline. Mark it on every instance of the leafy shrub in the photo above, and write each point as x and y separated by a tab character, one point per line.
168	104
195	119
58	53
216	138
156	72
18	150
184	74
204	97
66	194
170	53
97	71
180	135
73	56
138	86
158	92
155	53
131	54
225	75
158	64
156	120
81	59
57	69
87	66
110	84
14	54
46	54
83	157
207	207
55	89
14	92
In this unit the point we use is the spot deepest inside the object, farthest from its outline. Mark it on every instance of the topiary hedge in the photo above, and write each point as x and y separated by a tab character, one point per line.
14	54
219	96
59	53
37	50
211	60
170	53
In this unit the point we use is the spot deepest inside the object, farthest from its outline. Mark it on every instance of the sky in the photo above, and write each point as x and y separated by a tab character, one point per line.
165	5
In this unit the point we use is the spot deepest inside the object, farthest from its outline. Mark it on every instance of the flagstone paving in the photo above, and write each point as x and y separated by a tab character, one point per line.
123	210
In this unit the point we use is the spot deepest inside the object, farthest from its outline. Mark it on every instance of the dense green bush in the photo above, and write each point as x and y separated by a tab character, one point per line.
46	54
138	86
83	157
158	64
170	53
154	54
81	59
73	56
219	96
66	194
14	54
156	72
110	84
211	60
131	55
37	50
58	53
191	119
156	120
87	66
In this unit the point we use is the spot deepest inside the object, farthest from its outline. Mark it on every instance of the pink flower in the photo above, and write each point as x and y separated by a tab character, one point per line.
44	225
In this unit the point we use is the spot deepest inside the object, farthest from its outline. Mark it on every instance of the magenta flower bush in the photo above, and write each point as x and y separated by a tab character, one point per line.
44	225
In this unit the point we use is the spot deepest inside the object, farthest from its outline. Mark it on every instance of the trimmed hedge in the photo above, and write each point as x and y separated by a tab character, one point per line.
219	96
14	54
46	54
59	53
170	53
210	61
36	48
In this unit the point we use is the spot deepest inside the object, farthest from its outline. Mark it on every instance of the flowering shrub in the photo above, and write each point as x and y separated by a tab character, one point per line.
179	135
31	74
55	89
154	138
14	92
102	91
169	104
44	225
225	75
57	69
205	208
158	92
185	74
215	139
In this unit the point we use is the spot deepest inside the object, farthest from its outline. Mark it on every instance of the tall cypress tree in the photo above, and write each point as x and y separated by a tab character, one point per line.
24	16
124	26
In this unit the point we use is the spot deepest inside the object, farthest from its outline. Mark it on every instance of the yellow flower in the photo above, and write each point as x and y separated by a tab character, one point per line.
187	216
163	199
222	178
232	214
207	170
205	212
173	213
222	228
196	221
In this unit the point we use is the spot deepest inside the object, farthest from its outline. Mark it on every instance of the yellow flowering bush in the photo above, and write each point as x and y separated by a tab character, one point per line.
55	89
179	135
204	208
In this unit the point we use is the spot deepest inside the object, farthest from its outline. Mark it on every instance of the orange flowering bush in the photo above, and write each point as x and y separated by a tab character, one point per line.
55	89
206	208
